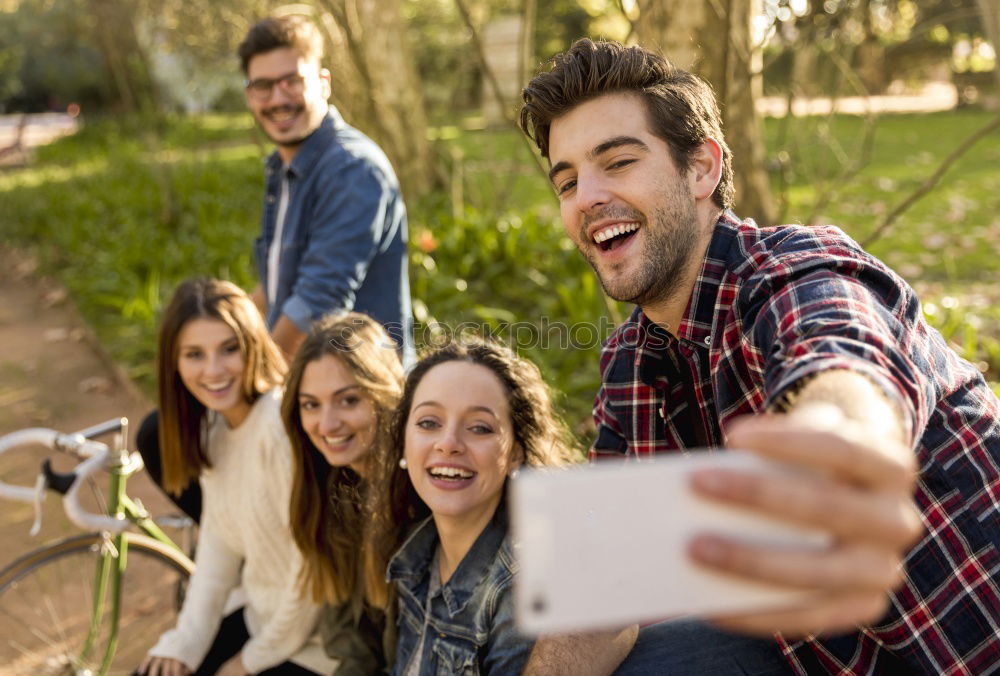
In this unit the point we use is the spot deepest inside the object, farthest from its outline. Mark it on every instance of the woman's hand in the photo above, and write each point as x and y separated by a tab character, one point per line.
233	667
163	666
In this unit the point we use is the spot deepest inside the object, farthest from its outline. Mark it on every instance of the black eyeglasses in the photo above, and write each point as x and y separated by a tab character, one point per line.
262	88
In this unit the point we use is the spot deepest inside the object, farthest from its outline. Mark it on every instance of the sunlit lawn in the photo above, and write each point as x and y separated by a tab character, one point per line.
121	215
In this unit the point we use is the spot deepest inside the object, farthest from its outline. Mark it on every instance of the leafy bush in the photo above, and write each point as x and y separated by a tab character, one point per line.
519	279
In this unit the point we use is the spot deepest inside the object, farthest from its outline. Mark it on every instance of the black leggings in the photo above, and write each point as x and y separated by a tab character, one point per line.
147	441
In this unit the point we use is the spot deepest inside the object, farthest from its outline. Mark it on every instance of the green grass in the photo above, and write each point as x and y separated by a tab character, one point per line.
121	217
121	213
952	233
946	244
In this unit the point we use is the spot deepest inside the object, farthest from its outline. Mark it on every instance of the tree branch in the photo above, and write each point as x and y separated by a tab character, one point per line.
525	38
495	85
848	169
931	181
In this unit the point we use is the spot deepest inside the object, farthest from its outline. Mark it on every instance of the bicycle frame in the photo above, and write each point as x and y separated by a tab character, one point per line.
114	552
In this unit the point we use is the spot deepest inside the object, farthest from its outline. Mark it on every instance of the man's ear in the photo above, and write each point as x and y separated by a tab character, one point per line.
325	83
706	169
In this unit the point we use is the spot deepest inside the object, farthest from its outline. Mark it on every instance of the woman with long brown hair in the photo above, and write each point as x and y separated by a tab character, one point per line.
471	413
341	390
219	384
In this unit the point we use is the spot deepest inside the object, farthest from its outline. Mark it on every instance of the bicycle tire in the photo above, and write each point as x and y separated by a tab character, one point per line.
46	599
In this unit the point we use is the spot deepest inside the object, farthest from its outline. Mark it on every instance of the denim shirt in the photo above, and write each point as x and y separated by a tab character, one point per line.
343	244
471	625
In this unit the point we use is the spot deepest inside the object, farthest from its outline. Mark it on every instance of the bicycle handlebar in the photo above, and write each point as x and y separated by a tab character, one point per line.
34	435
95	455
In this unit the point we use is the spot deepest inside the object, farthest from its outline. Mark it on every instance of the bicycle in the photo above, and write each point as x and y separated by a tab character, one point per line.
110	587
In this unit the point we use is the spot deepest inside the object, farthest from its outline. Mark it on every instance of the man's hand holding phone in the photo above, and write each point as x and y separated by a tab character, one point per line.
858	488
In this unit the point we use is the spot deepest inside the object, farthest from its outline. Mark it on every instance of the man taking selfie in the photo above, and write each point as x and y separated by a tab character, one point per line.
792	343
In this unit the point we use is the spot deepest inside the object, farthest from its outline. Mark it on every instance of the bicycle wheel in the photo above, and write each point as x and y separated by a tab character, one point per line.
47	595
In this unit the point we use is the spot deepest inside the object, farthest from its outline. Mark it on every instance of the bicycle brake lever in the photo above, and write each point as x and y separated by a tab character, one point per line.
58	481
40	486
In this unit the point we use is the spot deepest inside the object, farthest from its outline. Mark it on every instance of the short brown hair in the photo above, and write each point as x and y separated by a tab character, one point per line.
328	517
293	31
182	454
680	107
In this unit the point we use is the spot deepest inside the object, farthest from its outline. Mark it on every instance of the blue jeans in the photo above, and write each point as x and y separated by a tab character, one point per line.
694	647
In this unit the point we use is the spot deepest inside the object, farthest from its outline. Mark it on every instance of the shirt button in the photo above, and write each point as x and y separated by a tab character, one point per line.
708	340
270	199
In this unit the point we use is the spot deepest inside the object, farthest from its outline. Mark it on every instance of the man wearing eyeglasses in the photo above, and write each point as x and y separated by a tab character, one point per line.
333	231
333	234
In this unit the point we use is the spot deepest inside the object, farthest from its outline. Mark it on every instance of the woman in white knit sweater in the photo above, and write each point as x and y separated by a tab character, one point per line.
220	396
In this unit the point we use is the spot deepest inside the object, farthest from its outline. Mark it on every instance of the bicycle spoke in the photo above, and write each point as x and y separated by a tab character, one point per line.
51	628
48	610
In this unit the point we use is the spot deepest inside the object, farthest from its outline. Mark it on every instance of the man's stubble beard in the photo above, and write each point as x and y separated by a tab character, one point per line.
289	143
669	240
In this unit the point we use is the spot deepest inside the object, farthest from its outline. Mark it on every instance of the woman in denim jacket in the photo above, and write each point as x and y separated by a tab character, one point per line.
470	415
342	387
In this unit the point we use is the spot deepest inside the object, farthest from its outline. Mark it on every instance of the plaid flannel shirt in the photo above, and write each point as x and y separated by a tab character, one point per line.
772	306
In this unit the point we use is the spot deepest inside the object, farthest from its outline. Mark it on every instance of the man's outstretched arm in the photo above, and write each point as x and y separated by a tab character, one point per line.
859	484
592	654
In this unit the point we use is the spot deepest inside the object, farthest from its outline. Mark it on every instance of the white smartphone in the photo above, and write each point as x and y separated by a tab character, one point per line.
605	545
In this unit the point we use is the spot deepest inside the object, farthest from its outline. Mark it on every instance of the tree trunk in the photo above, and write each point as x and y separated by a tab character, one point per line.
713	39
870	55
990	13
672	28
115	28
377	87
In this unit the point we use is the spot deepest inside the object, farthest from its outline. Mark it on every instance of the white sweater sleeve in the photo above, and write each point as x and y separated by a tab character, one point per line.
295	618
217	571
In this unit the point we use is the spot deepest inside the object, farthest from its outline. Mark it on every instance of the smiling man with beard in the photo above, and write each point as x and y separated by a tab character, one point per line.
789	342
333	234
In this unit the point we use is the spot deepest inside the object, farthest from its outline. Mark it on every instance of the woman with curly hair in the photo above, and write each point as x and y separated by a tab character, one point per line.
471	413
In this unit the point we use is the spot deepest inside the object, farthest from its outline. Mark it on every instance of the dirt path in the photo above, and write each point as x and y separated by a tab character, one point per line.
20	133
52	375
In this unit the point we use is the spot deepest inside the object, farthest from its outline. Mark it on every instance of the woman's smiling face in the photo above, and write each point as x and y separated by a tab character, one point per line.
337	414
210	363
459	442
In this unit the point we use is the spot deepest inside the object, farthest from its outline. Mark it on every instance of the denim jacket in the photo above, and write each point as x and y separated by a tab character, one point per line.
471	628
343	244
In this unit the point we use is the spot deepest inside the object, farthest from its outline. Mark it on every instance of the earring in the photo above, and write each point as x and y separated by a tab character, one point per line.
402	463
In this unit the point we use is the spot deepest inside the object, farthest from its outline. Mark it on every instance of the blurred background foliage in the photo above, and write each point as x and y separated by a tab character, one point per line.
163	180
